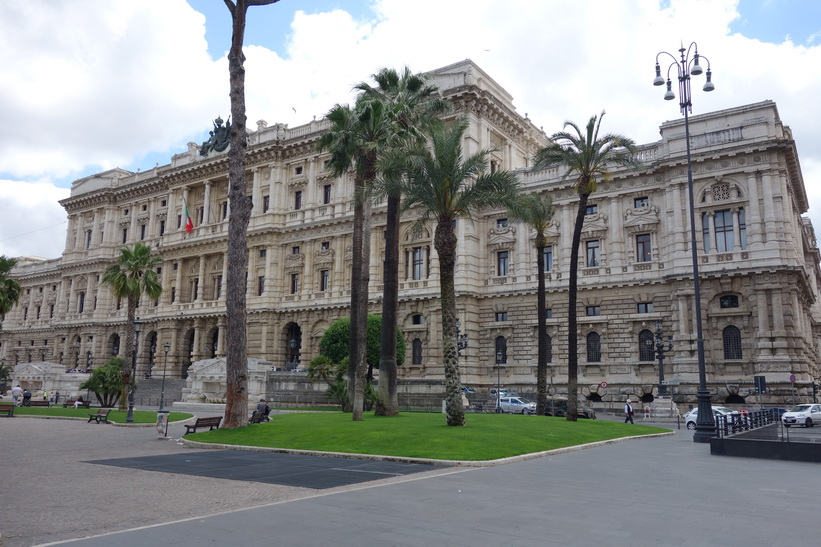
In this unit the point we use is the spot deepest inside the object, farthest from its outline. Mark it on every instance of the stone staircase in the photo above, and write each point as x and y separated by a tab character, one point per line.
149	390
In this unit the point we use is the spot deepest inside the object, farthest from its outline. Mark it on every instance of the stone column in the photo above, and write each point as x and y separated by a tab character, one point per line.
769	215
221	337
182	212
178	281
206	205
711	217
201	279
736	231
754	224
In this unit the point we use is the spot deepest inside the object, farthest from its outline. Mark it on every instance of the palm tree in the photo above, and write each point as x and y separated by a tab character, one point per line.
536	210
587	157
132	275
236	366
444	187
9	288
354	139
410	107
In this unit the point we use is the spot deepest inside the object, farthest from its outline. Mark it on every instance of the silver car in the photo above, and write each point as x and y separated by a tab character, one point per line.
805	415
691	417
517	405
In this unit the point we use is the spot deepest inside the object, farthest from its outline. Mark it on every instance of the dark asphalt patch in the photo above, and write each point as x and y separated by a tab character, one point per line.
270	467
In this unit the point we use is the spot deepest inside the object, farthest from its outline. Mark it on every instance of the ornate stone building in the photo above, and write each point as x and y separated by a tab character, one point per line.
758	257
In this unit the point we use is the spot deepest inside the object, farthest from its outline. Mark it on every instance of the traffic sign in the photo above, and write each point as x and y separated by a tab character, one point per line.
603	384
792	378
669	383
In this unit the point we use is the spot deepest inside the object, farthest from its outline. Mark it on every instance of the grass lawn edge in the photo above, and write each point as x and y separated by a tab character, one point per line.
429	461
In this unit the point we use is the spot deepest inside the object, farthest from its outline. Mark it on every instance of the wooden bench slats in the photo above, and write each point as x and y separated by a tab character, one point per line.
8	410
210	423
100	417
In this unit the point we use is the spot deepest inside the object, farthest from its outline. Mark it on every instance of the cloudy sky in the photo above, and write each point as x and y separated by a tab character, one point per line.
88	85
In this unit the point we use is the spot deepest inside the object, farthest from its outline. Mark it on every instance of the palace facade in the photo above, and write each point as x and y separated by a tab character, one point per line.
758	260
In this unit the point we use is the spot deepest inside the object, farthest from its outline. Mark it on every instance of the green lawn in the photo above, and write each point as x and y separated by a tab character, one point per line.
485	437
140	416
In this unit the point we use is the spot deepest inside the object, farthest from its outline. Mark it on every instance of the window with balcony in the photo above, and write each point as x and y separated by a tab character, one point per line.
294	283
260	285
418	270
298	200
593	253
324	280
502	263
326	194
548	258
643	253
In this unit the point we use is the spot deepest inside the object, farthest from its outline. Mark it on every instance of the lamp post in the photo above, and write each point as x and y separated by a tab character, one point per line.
660	349
461	339
129	418
166	347
498	380
687	66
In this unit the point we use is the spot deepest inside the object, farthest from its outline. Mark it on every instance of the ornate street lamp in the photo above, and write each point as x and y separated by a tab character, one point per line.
133	386
498	380
687	66
461	339
166	347
660	349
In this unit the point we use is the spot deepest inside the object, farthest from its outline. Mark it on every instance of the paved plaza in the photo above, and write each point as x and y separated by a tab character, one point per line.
66	479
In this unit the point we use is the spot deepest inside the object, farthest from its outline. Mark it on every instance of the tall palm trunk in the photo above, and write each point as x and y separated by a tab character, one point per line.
388	402
236	408
362	318
445	243
131	313
541	314
572	322
354	348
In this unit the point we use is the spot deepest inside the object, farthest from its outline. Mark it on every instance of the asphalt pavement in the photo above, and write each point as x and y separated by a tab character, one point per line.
67	482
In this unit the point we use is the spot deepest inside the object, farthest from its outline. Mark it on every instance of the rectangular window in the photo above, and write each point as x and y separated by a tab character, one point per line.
218	287
162	227
81	302
298	199
125	235
266	203
324	280
548	313
260	285
591	209
640	202
593	253
179	222
51	310
224	209
263	253
325	245
298	171
502	263
593	311
742	228
724	231
644	307
25	313
326	194
38	312
142	232
295	250
294	283
200	214
548	258
163	203
173	297
88	239
643	253
418	263
501	316
501	223
195	290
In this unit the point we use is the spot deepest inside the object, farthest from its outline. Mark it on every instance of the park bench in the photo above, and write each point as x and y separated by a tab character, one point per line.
70	403
37	403
210	423
101	416
8	410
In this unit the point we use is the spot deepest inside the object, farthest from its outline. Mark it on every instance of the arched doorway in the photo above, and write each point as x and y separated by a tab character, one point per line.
152	352
293	345
114	344
187	353
214	343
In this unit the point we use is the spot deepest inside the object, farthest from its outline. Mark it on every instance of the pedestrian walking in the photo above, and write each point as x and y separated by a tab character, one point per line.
16	393
45	395
26	397
56	397
628	412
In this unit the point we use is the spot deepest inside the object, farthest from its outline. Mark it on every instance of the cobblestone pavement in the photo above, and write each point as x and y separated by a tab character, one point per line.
56	495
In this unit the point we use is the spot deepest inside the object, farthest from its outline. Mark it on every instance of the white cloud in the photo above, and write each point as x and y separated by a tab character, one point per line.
33	223
92	84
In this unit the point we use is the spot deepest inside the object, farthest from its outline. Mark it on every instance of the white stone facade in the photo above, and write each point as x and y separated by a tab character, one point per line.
759	268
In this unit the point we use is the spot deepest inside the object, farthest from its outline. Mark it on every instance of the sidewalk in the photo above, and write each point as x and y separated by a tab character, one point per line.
644	492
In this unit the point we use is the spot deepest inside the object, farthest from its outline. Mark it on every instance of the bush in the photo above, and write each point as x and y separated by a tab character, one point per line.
334	343
106	382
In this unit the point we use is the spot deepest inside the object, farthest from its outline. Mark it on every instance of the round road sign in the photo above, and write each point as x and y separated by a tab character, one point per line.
603	384
792	378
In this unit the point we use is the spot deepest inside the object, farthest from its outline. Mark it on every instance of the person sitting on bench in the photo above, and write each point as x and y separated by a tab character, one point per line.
262	411
79	402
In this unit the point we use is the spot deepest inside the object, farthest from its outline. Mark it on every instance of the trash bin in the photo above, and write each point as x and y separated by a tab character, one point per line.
162	423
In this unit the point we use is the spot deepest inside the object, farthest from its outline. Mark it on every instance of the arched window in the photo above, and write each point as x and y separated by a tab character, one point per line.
417	351
732	342
646	352
593	348
549	349
501	350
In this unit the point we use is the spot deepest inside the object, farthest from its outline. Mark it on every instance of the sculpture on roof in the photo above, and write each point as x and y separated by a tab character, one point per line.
219	139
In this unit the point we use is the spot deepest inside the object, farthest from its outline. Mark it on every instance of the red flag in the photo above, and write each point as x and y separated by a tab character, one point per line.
189	224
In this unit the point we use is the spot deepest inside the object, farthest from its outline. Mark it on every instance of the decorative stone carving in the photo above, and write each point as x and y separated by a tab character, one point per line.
595	226
641	219
294	263
324	257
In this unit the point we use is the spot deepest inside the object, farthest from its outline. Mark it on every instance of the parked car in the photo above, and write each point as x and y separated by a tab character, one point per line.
805	415
558	406
691	417
466	389
502	393
517	405
777	411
